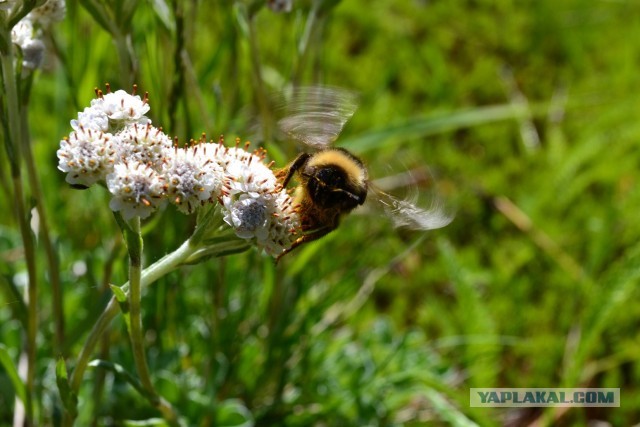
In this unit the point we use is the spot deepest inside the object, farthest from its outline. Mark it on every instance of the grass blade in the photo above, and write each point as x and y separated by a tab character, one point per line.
437	123
68	397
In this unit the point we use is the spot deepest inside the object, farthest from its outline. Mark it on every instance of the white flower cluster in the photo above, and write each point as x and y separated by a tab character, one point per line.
255	204
115	143
25	34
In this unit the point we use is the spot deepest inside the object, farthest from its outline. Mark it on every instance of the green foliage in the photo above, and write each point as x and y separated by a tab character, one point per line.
525	109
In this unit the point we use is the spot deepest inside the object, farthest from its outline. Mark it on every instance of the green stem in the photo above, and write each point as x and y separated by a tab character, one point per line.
27	6
135	296
136	332
16	147
12	108
152	273
32	294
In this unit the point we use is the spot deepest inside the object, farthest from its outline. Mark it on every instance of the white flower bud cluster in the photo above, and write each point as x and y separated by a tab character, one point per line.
25	34
113	142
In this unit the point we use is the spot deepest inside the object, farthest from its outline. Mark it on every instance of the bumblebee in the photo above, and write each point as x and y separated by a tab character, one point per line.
331	182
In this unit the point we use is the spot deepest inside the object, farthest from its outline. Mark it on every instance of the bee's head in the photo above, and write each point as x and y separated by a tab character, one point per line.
330	186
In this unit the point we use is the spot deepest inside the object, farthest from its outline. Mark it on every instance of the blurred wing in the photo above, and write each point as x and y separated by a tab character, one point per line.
416	211
315	115
405	213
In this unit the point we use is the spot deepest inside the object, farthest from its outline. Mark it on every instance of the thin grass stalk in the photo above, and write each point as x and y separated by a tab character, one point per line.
258	82
303	44
52	259
16	144
126	58
5	188
178	83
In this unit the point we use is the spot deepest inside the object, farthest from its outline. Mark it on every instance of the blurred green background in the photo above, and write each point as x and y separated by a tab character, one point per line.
527	113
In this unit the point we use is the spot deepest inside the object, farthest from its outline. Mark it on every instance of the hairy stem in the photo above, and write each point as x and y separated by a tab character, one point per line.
135	296
136	332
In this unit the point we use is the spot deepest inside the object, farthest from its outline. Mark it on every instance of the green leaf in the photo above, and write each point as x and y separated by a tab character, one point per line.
325	6
123	301
418	127
447	411
163	12
127	9
68	397
233	413
131	237
120	295
17	301
477	318
12	373
618	288
217	251
208	222
124	375
99	13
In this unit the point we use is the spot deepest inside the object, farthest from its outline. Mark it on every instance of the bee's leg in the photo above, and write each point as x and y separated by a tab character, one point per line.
310	237
293	167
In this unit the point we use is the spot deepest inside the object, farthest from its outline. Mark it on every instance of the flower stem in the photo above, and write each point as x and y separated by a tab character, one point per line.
136	331
135	295
152	273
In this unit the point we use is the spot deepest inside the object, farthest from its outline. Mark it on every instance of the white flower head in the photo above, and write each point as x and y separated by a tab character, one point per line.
269	218
122	109
144	144
22	33
33	54
32	48
248	216
137	190
284	225
190	177
87	156
50	12
247	173
256	206
91	118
